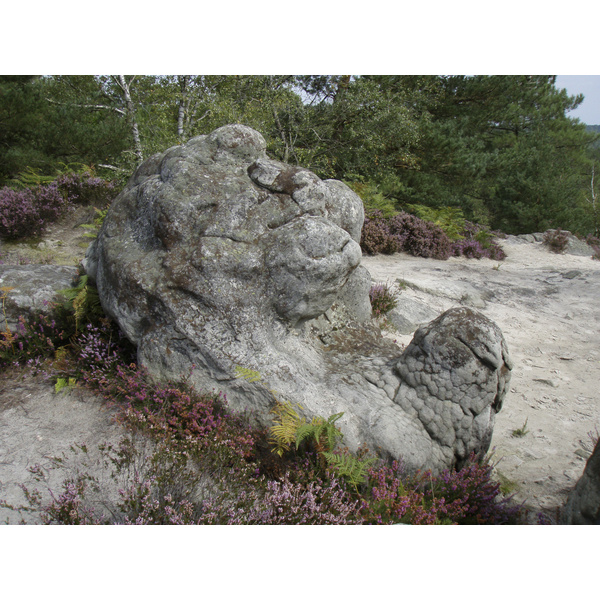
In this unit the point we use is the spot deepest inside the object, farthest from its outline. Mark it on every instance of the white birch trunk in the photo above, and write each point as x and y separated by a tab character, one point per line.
131	116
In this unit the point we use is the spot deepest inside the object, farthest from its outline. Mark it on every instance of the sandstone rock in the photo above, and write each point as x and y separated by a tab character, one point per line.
583	504
409	314
34	287
215	257
455	374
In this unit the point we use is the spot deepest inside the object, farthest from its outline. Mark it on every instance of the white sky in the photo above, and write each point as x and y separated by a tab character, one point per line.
316	37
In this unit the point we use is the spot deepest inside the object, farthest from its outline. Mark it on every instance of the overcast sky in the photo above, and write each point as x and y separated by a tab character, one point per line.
589	85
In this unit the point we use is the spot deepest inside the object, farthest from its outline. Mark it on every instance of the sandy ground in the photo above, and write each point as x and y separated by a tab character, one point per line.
548	308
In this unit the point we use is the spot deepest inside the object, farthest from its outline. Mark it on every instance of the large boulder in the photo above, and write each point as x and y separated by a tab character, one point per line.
583	505
215	258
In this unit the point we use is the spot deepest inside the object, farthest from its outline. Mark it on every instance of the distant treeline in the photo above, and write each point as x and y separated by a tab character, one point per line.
501	149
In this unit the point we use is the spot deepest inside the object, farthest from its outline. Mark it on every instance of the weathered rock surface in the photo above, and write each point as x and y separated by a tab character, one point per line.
409	314
34	287
583	505
454	376
215	257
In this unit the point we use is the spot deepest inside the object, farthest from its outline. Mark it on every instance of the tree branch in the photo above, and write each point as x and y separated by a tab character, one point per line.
92	106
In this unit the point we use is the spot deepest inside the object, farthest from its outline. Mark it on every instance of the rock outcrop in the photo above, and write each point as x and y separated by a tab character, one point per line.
583	504
34	287
215	258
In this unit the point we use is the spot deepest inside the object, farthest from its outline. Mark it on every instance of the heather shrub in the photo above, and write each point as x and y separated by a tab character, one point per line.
99	350
37	338
285	503
26	213
86	188
404	233
408	233
377	236
142	483
477	242
592	240
470	249
556	240
422	238
467	496
67	345
383	299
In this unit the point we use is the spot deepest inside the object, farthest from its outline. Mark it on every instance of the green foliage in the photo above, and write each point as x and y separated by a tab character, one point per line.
251	376
521	432
355	471
64	384
83	302
500	148
97	224
290	427
287	423
31	177
507	486
373	199
323	432
450	219
47	122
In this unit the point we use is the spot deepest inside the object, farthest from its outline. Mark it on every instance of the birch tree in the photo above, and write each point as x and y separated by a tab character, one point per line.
124	85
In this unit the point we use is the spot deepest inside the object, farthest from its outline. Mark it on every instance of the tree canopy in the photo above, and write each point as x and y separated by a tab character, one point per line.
502	149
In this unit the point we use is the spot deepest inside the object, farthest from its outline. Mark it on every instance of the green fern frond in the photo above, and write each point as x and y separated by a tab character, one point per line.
82	300
307	430
247	374
287	422
30	178
448	218
349	467
319	427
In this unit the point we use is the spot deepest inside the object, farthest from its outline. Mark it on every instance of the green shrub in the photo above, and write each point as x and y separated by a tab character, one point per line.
450	219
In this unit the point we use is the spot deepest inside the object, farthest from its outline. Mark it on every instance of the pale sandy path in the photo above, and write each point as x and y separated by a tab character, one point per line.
550	317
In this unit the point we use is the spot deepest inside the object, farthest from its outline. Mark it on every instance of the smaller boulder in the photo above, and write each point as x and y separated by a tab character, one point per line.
33	288
583	504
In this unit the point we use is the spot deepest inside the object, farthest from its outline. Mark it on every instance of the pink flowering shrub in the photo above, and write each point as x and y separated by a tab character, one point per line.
37	337
85	188
286	503
465	497
403	233
383	299
26	213
408	233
